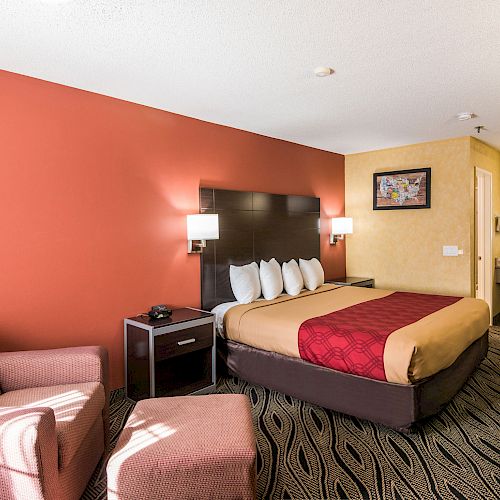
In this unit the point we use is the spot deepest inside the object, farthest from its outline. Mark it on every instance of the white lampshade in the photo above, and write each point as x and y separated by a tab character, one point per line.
342	225
203	227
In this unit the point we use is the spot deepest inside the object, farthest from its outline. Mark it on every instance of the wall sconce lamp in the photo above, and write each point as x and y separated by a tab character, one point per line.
200	228
340	226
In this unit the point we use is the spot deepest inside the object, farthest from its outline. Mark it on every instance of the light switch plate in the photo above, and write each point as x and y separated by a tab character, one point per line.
450	251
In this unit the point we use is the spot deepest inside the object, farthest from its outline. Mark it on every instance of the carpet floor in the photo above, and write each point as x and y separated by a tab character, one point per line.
307	452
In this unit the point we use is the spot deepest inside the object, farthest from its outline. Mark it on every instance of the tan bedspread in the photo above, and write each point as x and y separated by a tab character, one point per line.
411	353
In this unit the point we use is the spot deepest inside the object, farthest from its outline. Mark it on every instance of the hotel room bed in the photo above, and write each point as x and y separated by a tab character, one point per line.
415	365
391	336
389	357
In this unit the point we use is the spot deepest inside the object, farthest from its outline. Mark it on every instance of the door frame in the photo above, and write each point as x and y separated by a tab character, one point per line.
483	223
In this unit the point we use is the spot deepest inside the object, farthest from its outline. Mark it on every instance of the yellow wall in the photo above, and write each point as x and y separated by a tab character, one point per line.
488	158
402	249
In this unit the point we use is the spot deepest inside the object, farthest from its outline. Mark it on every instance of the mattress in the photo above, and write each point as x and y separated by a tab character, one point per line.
393	336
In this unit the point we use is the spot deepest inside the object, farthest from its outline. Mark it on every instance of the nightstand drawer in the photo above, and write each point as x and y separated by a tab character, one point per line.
183	341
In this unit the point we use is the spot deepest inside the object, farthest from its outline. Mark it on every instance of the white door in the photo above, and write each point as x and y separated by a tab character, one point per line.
484	227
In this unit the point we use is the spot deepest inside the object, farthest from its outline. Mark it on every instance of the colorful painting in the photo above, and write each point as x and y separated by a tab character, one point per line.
402	189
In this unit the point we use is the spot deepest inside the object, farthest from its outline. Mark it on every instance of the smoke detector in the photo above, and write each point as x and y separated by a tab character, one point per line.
323	71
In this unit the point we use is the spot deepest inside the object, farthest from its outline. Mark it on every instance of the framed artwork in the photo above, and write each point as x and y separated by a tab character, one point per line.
402	189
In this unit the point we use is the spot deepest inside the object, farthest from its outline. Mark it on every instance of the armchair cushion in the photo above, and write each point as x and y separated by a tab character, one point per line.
72	365
76	407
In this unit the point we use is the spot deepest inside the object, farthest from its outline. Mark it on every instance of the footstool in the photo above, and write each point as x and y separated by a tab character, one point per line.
187	447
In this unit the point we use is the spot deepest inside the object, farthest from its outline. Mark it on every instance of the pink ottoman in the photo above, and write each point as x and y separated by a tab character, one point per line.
185	447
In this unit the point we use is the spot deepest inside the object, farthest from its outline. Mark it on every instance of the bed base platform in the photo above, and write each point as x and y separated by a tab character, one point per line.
394	405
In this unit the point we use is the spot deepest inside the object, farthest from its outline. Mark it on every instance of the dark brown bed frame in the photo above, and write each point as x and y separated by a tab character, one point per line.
256	226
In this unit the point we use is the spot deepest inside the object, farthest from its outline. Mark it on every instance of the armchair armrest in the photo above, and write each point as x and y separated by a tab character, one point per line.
72	365
28	453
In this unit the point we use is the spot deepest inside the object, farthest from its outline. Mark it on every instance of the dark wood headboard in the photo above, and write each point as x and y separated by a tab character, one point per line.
254	226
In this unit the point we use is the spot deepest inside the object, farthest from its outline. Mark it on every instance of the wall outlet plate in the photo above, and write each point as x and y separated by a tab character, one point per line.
450	251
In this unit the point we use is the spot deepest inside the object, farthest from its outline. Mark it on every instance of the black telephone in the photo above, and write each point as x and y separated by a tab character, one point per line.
160	311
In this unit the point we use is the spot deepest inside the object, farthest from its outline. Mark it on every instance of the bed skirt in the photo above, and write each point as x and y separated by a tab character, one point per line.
397	406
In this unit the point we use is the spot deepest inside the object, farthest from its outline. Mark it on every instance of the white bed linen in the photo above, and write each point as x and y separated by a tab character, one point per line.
219	312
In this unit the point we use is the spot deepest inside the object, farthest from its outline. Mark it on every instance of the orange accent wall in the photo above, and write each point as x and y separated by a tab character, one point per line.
94	193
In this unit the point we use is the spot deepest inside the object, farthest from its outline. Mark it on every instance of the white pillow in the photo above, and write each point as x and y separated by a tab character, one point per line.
292	277
245	282
270	279
312	272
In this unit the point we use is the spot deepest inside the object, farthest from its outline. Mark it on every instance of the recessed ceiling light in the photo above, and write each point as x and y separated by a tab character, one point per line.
465	116
323	71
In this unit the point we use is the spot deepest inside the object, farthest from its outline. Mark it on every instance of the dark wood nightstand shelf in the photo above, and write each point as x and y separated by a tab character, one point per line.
169	357
351	281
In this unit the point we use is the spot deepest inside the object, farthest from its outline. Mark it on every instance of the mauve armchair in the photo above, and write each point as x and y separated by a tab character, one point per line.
54	421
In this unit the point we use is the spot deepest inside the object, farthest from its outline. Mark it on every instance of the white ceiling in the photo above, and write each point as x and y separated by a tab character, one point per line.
403	68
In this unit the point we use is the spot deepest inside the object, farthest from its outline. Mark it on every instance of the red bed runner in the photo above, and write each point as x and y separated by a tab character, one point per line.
352	340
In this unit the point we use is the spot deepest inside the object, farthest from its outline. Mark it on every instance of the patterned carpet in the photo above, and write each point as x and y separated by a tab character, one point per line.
306	452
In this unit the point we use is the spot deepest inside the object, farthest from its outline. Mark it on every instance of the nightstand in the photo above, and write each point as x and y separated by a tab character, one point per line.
170	357
351	281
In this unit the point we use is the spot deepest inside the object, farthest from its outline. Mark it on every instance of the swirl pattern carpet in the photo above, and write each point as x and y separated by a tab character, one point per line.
307	452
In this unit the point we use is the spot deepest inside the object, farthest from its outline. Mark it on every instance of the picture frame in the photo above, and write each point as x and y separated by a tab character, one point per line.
402	189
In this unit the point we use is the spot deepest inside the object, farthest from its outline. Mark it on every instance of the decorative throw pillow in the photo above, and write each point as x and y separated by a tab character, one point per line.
312	272
245	282
292	277
270	279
